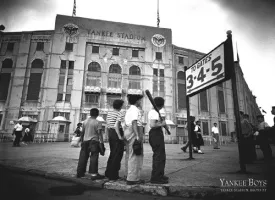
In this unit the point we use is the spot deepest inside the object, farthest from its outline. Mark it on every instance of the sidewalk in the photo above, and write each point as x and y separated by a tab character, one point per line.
188	178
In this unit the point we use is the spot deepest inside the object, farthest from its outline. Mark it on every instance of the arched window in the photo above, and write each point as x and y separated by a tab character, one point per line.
115	69
7	63
134	77
94	75
114	77
37	63
181	90
94	67
35	79
181	75
134	70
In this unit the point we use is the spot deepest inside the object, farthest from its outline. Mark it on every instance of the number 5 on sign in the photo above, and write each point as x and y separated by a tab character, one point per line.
206	71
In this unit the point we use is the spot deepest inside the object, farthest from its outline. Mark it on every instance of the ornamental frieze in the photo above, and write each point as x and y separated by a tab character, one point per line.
41	38
11	38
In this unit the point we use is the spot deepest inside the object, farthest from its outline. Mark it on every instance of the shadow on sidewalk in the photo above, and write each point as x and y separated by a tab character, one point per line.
71	190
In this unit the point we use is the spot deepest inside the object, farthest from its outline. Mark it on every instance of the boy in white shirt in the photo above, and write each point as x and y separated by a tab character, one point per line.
156	140
133	162
215	135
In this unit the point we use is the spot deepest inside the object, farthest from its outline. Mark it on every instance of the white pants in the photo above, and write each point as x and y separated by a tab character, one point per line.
133	163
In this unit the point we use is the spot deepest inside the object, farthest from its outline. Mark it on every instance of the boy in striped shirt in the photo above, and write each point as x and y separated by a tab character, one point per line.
115	134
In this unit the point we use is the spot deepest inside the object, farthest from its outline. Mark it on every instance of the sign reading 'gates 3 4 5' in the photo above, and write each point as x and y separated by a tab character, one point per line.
208	71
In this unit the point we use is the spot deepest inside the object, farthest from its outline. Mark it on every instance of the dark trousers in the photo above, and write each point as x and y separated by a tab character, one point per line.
264	145
18	135
116	154
88	148
248	150
156	140
195	142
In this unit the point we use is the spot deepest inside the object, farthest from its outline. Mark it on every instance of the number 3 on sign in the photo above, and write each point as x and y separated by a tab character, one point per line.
190	80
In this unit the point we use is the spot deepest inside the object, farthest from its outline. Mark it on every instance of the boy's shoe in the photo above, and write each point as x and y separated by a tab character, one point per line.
97	177
135	182
216	148
183	149
200	152
80	175
162	181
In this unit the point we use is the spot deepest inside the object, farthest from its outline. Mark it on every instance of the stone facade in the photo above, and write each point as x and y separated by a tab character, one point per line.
85	63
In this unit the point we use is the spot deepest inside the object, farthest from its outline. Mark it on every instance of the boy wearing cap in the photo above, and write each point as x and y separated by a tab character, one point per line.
156	141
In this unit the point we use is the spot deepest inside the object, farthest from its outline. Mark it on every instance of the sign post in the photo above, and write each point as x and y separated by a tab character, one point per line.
189	124
230	57
214	68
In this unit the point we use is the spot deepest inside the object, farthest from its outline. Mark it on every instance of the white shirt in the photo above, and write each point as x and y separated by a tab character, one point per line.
18	127
162	112
215	130
197	128
131	114
153	115
262	125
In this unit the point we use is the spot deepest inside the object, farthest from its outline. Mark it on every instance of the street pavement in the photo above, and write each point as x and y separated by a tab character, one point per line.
14	186
204	176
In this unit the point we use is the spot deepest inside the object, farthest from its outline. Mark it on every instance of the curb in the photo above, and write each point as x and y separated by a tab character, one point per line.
148	188
143	188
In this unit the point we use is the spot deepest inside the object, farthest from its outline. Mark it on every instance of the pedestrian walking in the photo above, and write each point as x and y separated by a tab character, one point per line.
193	137
216	136
198	140
17	131
156	141
263	129
116	143
272	131
248	147
77	136
27	137
133	161
92	140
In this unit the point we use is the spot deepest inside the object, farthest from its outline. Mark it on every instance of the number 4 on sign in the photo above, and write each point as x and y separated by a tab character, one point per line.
201	75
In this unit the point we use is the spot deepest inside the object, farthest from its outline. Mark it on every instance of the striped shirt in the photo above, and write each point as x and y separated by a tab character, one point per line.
112	117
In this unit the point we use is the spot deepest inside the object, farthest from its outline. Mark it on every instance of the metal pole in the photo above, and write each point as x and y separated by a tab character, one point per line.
236	104
188	123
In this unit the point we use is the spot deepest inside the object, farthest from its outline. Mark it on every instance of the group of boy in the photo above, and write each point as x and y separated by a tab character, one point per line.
261	135
125	132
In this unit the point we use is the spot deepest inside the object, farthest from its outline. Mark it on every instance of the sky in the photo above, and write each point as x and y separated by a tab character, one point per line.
196	24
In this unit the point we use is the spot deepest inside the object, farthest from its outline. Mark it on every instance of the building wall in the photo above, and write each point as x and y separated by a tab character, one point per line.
84	34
